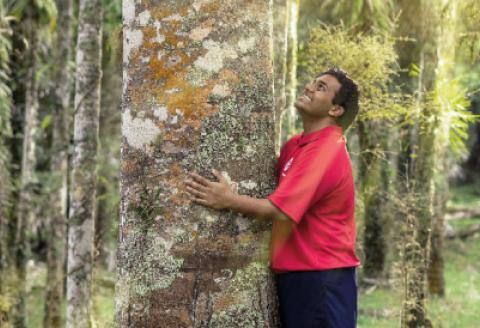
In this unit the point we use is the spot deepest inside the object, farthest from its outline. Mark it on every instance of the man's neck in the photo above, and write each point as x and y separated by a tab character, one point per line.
310	126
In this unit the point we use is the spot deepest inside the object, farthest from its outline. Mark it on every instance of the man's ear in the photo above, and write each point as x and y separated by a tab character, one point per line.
336	111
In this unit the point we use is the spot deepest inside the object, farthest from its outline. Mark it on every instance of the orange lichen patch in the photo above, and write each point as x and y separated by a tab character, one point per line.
176	170
168	216
245	238
211	7
184	316
223	302
161	12
228	76
190	100
208	23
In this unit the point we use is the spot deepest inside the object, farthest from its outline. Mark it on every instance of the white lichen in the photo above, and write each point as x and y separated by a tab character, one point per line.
161	113
216	54
159	37
174	17
144	18
248	184
132	39
245	45
128	11
138	132
242	223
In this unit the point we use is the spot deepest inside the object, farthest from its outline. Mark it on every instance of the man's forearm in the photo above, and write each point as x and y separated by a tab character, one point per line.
259	208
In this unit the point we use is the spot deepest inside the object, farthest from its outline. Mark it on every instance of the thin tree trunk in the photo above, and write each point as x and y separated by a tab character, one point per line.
445	71
414	307
436	280
57	225
291	81
281	14
198	94
6	187
83	180
25	199
372	162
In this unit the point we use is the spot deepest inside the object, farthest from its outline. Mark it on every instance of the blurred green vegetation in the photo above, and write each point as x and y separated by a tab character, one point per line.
380	308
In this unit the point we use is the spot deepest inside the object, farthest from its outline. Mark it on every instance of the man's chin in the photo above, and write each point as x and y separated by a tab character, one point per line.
298	105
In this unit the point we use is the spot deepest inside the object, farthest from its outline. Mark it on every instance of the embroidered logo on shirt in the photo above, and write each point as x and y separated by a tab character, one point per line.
287	166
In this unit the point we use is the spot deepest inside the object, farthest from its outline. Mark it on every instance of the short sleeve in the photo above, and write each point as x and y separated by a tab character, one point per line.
314	173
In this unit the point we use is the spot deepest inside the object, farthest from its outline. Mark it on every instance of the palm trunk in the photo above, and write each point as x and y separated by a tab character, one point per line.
281	14
291	81
25	200
205	102
6	188
445	71
414	308
83	179
371	136
57	225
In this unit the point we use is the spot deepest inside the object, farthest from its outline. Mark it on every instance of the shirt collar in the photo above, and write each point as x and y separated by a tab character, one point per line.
312	136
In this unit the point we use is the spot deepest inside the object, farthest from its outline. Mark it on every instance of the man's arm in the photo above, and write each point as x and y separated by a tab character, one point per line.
219	195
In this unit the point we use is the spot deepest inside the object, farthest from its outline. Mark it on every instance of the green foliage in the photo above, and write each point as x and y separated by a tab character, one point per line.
364	14
469	34
453	115
44	9
369	59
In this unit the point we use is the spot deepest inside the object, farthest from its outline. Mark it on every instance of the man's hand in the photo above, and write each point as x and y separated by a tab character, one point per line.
217	195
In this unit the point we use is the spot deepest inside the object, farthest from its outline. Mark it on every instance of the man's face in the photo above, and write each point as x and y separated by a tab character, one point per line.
316	100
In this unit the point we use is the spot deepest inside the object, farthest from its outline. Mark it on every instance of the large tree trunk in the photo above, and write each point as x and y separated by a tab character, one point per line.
83	180
25	199
198	94
57	225
290	116
280	33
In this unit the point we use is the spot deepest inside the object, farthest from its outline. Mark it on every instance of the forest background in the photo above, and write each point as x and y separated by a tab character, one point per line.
69	76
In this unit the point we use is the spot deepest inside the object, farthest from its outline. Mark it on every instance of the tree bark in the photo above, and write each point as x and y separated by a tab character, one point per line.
57	225
198	94
83	178
281	14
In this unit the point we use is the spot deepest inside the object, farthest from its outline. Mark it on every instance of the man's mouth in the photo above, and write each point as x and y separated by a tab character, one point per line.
305	98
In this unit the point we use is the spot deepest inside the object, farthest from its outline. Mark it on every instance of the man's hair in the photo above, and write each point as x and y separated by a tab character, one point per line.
347	96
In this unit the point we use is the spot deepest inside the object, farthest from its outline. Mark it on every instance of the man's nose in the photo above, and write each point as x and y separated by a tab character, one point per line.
308	87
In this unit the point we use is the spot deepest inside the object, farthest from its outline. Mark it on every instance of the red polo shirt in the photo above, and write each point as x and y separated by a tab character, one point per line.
316	191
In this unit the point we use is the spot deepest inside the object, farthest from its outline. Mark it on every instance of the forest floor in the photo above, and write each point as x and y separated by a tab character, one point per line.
378	307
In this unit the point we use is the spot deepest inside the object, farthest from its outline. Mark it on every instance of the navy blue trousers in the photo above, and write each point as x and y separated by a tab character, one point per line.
318	299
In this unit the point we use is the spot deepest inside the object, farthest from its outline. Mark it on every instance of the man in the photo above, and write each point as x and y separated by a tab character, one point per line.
313	232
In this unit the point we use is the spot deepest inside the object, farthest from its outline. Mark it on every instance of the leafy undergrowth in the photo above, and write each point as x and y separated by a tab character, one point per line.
458	309
380	308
